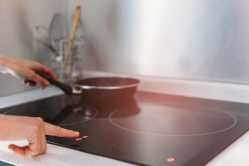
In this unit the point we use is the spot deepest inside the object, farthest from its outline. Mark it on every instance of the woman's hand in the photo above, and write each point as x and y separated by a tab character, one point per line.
32	129
28	69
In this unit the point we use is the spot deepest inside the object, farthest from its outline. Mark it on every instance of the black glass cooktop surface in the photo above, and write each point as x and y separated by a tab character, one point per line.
150	129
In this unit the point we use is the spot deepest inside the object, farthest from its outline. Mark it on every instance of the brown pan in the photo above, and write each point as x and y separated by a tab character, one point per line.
99	87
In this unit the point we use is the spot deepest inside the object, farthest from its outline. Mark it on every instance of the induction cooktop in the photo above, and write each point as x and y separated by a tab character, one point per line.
149	129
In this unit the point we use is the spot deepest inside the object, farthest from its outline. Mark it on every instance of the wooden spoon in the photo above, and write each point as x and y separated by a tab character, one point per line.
68	52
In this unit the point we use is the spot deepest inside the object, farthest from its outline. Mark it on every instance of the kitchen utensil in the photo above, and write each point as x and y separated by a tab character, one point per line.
68	52
68	89
41	33
50	48
99	88
108	88
56	31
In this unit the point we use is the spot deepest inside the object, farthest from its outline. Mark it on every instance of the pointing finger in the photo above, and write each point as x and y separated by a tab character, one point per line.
57	131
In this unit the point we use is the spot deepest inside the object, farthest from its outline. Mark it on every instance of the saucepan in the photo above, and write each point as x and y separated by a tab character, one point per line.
99	88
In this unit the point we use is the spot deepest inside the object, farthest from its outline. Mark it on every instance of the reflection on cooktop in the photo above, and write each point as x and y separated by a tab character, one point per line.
170	121
71	116
83	112
73	142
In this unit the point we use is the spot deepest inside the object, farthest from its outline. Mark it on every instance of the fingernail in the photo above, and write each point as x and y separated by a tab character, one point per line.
77	133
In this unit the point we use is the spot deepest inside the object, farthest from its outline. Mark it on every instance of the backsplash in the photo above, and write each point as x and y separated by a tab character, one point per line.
194	39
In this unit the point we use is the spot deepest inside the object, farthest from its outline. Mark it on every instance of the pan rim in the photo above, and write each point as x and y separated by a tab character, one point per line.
134	83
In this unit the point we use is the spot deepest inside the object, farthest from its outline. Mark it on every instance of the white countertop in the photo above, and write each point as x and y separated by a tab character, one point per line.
56	156
236	154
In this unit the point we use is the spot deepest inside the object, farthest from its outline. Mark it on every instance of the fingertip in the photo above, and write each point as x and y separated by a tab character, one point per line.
70	134
54	77
46	84
76	134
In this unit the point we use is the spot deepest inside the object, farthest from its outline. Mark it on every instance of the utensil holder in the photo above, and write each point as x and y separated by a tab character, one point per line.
74	71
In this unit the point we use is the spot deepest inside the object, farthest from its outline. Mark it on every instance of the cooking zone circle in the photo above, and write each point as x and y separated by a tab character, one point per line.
169	121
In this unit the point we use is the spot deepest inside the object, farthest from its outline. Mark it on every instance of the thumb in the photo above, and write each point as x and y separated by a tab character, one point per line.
19	150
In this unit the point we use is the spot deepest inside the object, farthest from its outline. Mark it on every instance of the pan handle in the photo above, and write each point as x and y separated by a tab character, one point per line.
64	87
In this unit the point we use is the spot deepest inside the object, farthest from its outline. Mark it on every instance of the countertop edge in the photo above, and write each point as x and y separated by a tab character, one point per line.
28	96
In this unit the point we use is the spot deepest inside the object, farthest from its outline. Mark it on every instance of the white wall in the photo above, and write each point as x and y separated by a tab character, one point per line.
18	19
